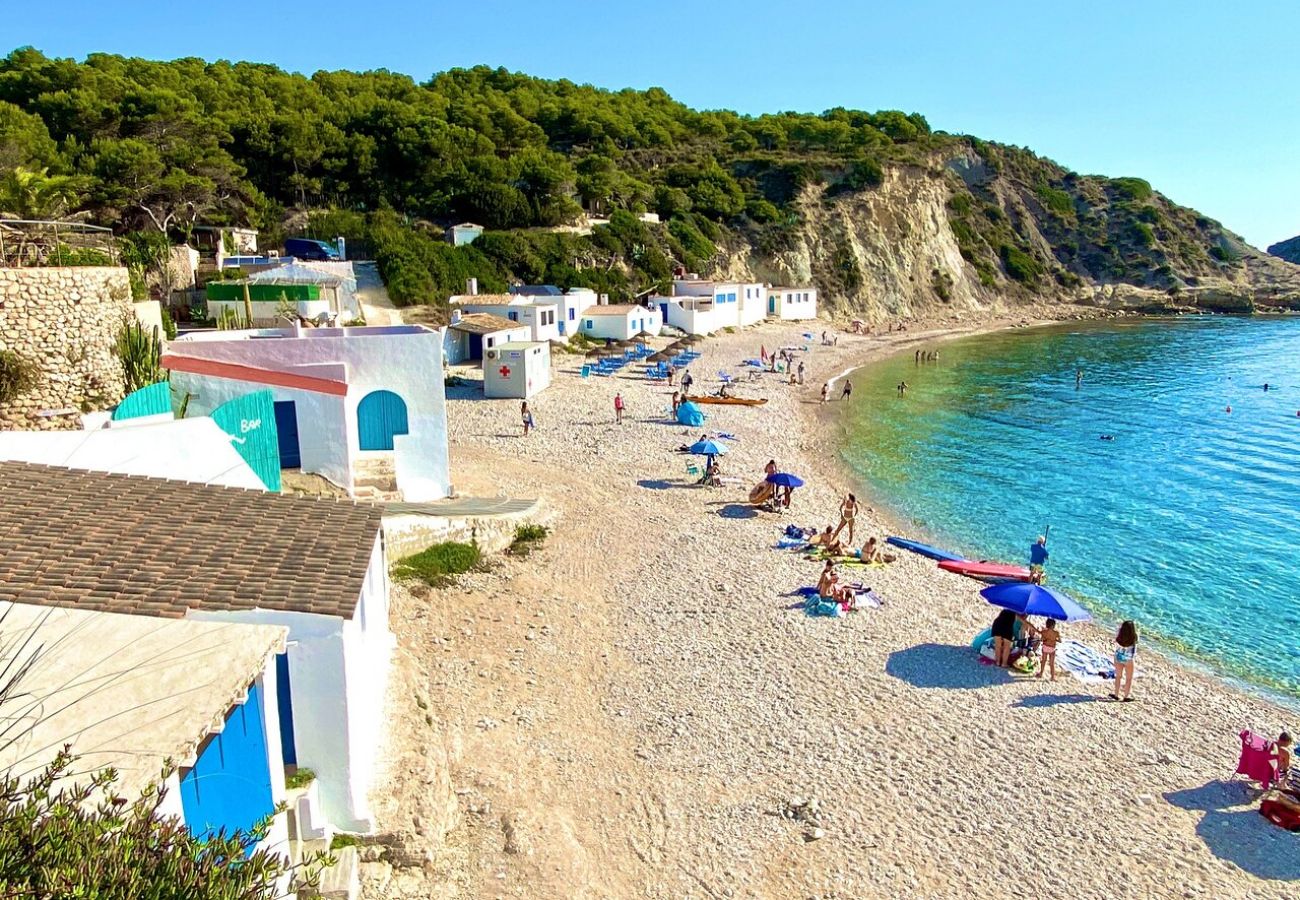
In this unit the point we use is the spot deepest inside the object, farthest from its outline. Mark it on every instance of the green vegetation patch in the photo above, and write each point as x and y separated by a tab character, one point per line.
439	565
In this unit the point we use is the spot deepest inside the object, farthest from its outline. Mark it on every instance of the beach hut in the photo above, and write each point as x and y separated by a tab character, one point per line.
517	370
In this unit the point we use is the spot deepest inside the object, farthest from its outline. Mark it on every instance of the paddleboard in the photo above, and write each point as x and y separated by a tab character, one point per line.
731	401
985	571
924	549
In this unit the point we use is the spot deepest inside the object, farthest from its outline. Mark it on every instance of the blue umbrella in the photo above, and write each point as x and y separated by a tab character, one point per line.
1035	600
708	447
785	479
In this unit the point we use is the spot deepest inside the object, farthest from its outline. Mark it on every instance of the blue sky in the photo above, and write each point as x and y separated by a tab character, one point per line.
1200	98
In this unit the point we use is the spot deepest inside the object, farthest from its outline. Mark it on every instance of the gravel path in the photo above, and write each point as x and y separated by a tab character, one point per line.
635	711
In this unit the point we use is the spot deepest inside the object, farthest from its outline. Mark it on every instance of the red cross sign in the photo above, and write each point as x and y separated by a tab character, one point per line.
505	371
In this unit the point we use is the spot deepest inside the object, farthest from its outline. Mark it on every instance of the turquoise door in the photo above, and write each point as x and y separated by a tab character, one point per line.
380	415
230	785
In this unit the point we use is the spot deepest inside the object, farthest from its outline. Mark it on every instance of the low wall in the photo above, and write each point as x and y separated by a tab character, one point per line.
405	535
65	322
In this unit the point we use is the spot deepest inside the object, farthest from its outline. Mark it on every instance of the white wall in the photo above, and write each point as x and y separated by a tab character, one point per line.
269	311
794	304
533	315
624	326
752	303
683	314
530	373
404	359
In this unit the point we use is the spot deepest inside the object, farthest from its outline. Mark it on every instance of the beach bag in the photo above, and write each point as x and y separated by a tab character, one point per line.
1282	808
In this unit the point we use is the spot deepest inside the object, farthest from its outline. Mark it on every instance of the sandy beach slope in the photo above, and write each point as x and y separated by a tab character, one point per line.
629	711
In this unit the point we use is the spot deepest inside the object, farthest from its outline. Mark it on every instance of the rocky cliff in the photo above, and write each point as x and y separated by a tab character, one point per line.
1288	250
979	225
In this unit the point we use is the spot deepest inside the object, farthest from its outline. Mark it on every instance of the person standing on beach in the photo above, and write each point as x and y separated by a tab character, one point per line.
618	408
1126	647
677	401
801	371
527	416
826	391
1047	652
672	371
687	381
1038	559
848	513
848	390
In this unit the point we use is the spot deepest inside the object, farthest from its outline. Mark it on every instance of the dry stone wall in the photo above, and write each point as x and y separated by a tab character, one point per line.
65	322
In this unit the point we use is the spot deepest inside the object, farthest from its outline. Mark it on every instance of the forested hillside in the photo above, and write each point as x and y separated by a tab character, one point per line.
142	145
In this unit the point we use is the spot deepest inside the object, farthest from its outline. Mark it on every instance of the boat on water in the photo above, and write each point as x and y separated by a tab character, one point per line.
731	401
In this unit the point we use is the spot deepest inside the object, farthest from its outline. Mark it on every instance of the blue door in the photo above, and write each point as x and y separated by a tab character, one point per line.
284	702
380	415
286	431
230	784
476	346
771	306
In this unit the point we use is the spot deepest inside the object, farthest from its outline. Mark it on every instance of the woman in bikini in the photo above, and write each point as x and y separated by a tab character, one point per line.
848	512
1126	646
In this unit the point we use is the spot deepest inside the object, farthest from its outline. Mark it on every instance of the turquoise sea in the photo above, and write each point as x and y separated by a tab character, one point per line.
1187	522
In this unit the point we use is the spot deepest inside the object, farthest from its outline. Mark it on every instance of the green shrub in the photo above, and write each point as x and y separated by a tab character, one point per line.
341	840
438	565
139	352
18	375
1058	201
1132	188
1224	254
169	324
1144	234
531	532
1019	264
961	203
299	779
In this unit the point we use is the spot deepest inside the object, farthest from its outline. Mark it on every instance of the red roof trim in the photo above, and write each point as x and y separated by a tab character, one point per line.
216	369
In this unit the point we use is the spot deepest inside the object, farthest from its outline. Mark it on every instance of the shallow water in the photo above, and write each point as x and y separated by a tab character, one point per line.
1186	522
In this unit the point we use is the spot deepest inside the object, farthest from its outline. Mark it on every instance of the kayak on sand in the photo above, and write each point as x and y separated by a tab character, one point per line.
924	549
985	571
731	401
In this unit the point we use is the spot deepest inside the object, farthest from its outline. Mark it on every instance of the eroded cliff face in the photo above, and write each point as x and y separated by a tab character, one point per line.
894	252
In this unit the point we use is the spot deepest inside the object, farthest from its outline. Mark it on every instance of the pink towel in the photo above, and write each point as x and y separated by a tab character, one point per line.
1258	759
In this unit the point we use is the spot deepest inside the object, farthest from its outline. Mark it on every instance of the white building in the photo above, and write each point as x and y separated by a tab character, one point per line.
100	542
145	691
471	334
746	299
363	407
620	321
697	315
792	304
517	370
540	315
191	449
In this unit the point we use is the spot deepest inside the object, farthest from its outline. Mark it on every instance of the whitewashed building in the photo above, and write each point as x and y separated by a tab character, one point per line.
470	335
145	691
792	303
540	315
315	567
620	321
363	407
517	370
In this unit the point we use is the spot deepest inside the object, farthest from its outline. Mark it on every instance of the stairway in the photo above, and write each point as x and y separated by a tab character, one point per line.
374	479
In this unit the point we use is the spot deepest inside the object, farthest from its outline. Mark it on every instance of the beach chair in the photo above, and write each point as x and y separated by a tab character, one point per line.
725	378
1258	759
586	371
693	469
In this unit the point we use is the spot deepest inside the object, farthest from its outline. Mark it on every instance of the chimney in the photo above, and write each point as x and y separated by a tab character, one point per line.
604	300
471	286
455	313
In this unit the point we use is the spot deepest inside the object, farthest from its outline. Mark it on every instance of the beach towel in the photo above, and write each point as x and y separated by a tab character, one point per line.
1083	662
790	543
1258	759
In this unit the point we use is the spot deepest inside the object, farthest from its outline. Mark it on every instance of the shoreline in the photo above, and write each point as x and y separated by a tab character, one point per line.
637	708
836	467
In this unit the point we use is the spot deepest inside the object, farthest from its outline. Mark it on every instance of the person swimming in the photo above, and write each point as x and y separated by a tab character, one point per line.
1107	437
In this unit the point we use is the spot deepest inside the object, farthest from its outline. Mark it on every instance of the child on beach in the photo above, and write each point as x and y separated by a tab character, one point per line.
618	408
1283	757
826	390
1047	652
527	416
1126	640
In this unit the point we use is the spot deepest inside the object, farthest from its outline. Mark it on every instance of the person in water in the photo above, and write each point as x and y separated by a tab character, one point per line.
1078	378
1038	559
902	388
848	390
1126	645
1047	652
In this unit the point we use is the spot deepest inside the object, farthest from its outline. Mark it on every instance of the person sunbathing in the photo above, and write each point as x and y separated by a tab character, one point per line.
872	552
827	541
830	589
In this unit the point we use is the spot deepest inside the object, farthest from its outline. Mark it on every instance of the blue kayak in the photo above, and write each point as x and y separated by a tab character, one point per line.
924	549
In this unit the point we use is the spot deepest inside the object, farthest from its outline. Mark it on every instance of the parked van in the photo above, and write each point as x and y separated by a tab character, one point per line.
306	248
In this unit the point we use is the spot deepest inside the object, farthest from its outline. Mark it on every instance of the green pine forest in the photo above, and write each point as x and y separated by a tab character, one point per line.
152	147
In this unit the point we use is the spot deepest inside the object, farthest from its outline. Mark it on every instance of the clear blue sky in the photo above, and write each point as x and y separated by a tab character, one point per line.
1200	98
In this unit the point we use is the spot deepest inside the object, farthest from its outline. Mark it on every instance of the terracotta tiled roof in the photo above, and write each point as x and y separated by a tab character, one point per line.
613	309
148	546
483	323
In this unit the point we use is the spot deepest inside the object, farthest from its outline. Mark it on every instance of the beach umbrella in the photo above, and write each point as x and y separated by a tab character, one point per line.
809	336
1035	600
643	334
658	357
785	479
708	447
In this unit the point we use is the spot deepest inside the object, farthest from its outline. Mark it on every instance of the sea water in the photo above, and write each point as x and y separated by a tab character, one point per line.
1187	521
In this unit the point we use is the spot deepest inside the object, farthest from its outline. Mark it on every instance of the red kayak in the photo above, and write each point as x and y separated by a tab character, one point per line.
985	571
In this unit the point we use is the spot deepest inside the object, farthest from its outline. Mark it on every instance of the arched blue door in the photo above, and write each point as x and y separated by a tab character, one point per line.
380	415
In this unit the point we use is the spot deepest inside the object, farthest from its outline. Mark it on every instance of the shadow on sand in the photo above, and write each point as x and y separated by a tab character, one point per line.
738	511
658	484
1235	832
952	666
1044	701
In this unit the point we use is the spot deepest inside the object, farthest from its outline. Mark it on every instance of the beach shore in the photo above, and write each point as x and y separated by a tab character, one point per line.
635	710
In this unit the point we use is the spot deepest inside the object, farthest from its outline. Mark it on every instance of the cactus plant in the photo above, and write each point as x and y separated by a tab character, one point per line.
140	352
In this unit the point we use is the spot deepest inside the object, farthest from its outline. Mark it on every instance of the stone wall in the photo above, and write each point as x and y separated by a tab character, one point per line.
65	321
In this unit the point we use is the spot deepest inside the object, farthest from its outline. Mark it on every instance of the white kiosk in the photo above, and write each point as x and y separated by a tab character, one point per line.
516	370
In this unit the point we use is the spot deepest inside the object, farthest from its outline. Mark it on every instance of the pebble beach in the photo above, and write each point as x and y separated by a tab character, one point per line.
641	707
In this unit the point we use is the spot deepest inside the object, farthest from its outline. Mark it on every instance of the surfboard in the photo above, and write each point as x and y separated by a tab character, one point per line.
924	549
985	571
